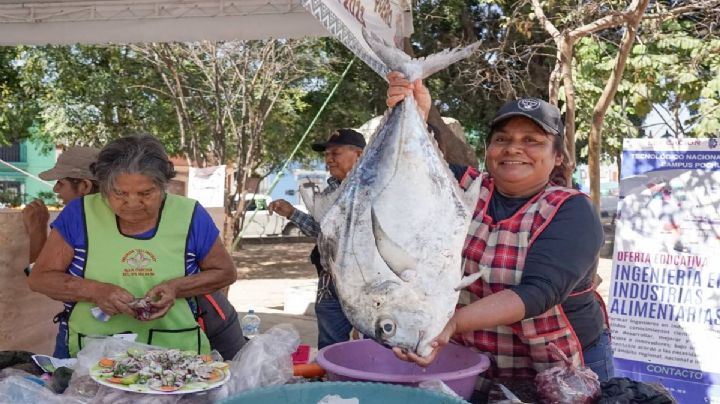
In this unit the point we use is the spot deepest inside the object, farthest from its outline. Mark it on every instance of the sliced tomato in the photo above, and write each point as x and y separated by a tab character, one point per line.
216	375
165	388
106	362
116	380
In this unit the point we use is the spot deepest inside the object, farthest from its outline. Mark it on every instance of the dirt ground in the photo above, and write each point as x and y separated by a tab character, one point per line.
269	275
274	261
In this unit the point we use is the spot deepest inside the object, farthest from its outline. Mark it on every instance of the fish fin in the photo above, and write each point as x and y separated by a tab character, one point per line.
322	203
420	68
408	275
396	258
470	279
307	191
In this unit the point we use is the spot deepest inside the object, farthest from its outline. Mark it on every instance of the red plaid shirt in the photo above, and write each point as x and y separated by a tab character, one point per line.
518	350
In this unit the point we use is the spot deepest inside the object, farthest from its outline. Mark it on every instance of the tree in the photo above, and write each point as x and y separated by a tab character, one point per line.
88	95
224	94
565	43
18	103
231	103
674	69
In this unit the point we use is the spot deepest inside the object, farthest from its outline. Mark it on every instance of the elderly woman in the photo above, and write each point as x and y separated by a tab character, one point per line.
539	241
133	240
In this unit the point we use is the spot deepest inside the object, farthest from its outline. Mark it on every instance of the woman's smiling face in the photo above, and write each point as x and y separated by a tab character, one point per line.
520	157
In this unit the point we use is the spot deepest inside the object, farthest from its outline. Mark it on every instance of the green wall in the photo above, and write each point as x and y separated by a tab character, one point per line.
33	160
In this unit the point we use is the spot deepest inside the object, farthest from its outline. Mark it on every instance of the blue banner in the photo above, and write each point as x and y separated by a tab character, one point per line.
664	304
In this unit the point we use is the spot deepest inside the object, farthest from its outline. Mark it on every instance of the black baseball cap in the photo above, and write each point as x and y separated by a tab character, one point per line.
342	137
541	112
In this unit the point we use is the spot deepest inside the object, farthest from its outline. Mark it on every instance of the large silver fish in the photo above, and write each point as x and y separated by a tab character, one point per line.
393	235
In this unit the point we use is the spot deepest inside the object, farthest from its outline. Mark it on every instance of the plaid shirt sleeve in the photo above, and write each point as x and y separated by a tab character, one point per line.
305	223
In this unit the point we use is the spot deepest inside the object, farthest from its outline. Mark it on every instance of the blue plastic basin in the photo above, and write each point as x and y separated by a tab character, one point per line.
366	393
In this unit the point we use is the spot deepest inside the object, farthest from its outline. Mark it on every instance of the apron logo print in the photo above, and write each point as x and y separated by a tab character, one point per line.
139	263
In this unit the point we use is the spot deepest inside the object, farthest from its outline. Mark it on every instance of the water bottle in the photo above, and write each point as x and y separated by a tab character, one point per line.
250	324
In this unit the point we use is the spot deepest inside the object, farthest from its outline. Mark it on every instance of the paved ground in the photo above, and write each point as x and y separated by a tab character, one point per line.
266	274
271	274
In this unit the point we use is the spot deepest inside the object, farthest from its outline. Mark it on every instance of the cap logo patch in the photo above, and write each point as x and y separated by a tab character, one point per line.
528	104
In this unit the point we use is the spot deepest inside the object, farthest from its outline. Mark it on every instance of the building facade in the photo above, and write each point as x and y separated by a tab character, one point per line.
15	186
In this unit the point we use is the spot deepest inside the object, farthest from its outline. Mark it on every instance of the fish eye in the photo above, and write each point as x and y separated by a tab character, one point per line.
387	327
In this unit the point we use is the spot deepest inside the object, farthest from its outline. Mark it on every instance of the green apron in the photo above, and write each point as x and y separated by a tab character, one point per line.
138	265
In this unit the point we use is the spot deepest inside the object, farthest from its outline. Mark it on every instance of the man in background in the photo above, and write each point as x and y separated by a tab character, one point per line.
341	152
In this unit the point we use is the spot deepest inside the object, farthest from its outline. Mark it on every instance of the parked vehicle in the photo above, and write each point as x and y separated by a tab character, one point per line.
260	223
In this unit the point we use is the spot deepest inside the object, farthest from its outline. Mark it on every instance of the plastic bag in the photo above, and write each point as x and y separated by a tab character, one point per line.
19	360
438	385
567	384
102	347
265	360
22	387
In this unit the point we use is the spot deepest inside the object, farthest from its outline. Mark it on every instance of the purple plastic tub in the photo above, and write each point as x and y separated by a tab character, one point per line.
366	360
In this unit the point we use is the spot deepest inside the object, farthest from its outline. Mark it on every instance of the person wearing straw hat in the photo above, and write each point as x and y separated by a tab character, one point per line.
74	179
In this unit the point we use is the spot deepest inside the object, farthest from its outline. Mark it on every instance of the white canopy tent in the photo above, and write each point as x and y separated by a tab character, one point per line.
61	22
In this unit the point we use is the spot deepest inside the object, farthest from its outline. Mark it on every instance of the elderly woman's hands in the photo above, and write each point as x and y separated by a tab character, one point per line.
400	88
162	298
438	343
113	299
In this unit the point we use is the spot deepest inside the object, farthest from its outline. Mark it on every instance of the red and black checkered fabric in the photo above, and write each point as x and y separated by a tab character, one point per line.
518	350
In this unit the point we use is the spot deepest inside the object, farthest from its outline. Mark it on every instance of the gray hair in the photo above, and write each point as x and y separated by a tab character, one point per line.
137	154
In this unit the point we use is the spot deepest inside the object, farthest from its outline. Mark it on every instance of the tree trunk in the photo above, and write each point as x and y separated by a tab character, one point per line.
566	52
602	105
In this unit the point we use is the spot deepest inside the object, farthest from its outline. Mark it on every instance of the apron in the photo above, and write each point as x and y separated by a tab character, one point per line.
137	265
518	350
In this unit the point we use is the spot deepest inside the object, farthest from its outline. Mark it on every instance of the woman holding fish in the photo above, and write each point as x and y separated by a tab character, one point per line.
533	241
129	260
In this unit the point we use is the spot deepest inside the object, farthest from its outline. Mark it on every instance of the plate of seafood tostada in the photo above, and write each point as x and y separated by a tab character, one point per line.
161	371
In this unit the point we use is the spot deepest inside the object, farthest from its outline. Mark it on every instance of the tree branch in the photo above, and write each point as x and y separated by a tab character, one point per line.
674	12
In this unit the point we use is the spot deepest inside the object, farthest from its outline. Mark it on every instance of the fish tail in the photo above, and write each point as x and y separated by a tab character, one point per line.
397	60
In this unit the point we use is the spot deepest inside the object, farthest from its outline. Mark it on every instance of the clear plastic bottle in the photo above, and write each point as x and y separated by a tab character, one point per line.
250	324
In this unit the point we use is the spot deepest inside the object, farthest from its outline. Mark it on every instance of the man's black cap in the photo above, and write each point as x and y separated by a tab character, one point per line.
541	112
341	137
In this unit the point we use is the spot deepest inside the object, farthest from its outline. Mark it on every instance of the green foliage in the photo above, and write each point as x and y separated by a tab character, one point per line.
673	66
18	102
90	94
359	97
49	198
10	199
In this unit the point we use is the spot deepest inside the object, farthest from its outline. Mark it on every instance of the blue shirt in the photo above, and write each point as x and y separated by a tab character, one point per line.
203	233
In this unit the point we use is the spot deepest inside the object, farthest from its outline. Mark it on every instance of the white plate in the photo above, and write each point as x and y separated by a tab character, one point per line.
97	375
